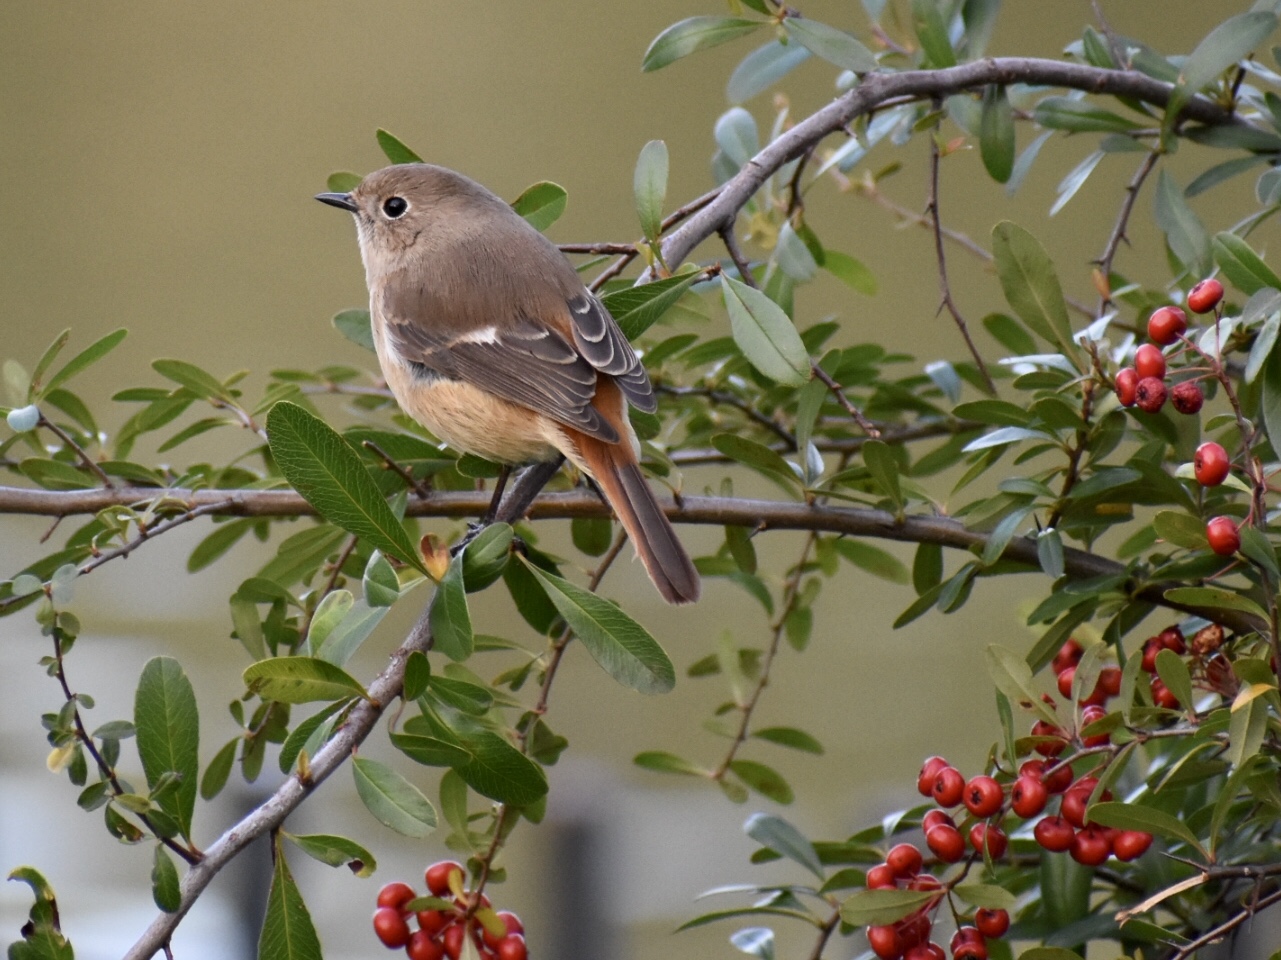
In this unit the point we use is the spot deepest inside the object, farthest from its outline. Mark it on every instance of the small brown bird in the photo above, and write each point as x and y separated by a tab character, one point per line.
488	338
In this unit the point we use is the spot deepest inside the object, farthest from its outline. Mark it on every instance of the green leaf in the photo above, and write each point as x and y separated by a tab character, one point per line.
694	34
649	186
637	308
336	852
762	68
219	770
775	833
835	46
1231	41
31	389
449	618
341	181
349	633
329	613
393	800
485	558
1174	674
328	473
356	326
987	895
662	762
592	535
765	780
380	584
849	271
417	675
877	562
56	475
996	134
1242	265
1131	816
1080	116
1269	404
869	907
41	937
312	732
1031	286
1049	552
300	680
164	881
287	930
1215	598
880	463
1183	230
758	457
89	355
168	732
430	751
396	151
622	647
790	737
1013	677
765	334
1180	529
931	31
501	772
541	204
200	382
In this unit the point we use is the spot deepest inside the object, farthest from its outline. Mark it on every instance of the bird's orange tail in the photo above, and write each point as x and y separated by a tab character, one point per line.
615	470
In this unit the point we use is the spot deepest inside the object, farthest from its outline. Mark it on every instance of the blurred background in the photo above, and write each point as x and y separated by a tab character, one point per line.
158	167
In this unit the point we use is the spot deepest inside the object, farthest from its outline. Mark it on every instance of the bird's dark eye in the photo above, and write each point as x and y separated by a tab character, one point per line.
395	207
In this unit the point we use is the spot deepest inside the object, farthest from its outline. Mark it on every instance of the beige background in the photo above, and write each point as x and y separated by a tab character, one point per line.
158	165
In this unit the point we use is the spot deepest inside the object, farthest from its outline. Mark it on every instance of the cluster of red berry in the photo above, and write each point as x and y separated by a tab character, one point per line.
445	919
1143	385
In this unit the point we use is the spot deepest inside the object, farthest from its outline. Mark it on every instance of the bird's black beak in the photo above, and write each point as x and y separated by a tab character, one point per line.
341	200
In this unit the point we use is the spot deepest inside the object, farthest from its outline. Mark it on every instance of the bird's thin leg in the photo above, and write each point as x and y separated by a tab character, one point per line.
497	498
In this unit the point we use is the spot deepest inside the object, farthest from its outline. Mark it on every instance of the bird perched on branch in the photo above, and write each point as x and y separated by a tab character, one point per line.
488	338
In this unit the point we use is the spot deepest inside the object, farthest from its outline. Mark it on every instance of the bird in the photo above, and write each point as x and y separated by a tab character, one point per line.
488	338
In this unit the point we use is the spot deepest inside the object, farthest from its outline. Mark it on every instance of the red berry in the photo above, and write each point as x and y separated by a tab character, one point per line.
1028	797
934	818
1162	696
1150	394
1126	385
1065	681
968	944
925	951
885	942
395	894
512	947
1110	681
453	941
1151	647
1069	655
1090	715
881	877
390	927
1171	638
1060	780
1130	844
946	843
1166	325
924	881
434	921
511	924
437	877
913	930
949	787
1211	464
1205	296
994	838
929	770
983	796
1187	397
992	923
1090	847
422	947
1223	536
1048	747
1149	361
904	859
1054	834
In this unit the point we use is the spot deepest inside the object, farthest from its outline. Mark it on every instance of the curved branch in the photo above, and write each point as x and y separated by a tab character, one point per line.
717	511
877	88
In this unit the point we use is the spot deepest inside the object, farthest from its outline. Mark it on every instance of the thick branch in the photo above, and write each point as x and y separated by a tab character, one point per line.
877	88
717	511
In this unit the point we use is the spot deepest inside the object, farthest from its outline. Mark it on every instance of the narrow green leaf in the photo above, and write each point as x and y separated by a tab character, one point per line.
89	355
501	772
336	852
541	204
765	334
849	271
301	736
356	326
1270	402
880	463
878	562
662	762
1080	116
1013	677
323	467
394	149
694	34
1183	230
622	647
350	632
393	800
1174	674
1231	41
200	382
287	930
1131	816
164	881
1241	265
775	833
931	31
987	895
758	457
450	619
882	906
765	780
219	770
1180	529
649	186
1215	598
790	737
762	68
835	46
417	675
637	308
1031	285
168	734
996	134
300	680
1049	552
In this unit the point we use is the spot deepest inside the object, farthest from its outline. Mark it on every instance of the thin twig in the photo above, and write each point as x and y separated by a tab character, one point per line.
825	934
415	485
741	262
945	289
1223	929
608	249
729	400
838	392
89	463
1119	228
